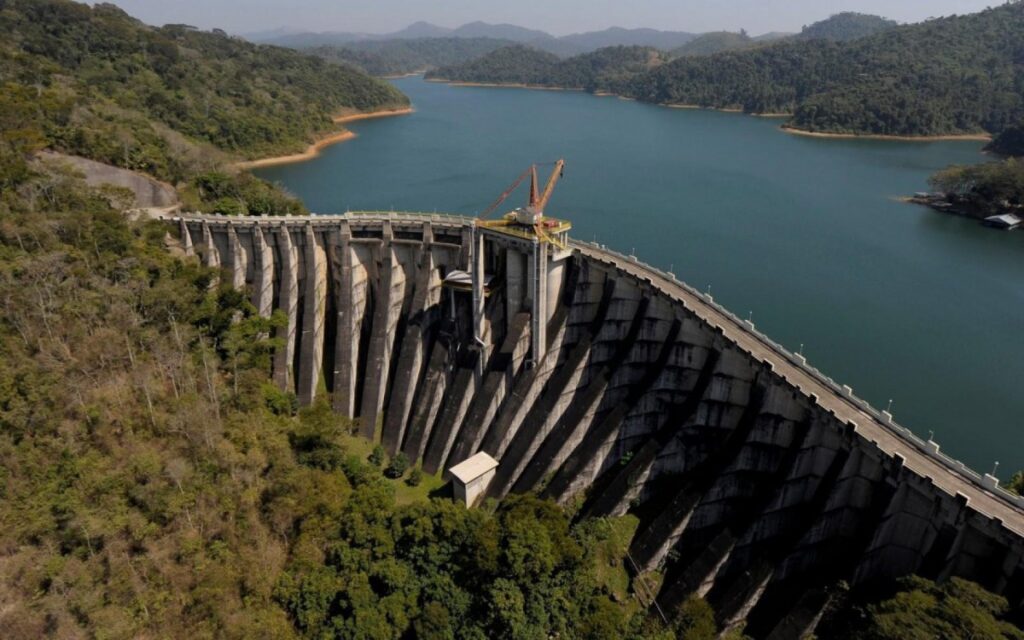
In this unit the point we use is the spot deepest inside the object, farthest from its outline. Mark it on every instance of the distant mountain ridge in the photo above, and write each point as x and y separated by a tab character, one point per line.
565	46
403	56
423	46
960	75
618	36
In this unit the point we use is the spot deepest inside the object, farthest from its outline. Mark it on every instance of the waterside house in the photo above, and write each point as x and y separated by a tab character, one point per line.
1006	221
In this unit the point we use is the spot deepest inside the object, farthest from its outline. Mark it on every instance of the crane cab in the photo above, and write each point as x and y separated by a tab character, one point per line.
528	216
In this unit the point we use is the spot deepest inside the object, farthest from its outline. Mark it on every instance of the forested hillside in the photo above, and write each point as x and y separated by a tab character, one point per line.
595	71
958	75
619	37
955	75
1010	142
982	190
402	56
846	26
172	102
716	42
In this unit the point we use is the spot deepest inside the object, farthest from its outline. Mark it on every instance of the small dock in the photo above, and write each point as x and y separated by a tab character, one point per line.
1006	221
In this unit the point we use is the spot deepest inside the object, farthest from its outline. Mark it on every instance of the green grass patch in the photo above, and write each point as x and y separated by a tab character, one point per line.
404	493
611	538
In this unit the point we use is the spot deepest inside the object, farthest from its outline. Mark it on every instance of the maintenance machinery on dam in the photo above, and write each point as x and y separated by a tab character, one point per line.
602	382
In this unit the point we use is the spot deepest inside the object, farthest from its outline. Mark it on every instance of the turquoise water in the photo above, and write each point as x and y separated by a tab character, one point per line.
895	300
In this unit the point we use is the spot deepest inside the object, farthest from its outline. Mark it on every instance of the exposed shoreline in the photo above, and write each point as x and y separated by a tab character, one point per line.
697	107
977	137
399	76
503	85
369	115
314	149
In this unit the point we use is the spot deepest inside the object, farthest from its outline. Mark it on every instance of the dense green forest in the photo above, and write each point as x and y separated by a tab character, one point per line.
517	64
917	609
595	71
846	26
955	75
715	42
403	56
1010	142
983	190
172	102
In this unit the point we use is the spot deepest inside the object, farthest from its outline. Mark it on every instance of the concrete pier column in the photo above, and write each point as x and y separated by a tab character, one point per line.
516	270
538	295
479	295
456	404
556	281
628	482
263	273
313	317
346	348
378	361
504	365
186	239
424	416
211	255
413	350
288	301
236	259
901	539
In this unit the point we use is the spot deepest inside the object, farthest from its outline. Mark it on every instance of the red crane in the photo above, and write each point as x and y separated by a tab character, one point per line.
533	214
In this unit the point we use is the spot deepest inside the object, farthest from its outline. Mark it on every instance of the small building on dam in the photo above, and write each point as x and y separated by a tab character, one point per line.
589	377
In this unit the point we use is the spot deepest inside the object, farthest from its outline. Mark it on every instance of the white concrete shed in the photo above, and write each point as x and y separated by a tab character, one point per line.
471	477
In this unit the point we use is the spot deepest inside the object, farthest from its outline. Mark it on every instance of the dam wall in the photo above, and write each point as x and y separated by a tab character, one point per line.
758	481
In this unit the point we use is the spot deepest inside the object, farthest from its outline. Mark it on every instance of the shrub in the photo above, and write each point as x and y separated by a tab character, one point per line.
397	468
376	456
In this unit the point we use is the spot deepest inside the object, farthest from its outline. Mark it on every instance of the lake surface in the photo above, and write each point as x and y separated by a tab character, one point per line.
897	301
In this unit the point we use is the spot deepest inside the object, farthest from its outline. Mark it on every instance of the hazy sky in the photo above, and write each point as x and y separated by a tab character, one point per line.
554	16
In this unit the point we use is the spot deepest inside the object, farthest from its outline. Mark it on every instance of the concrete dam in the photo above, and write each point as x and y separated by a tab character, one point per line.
611	387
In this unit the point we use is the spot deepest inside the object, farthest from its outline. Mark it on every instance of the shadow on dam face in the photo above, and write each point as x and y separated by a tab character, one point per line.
759	484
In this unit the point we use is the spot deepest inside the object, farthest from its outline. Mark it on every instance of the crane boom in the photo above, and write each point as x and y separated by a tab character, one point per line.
552	181
534	197
504	196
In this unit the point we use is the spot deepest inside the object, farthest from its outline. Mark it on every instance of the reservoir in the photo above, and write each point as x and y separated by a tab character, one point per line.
802	235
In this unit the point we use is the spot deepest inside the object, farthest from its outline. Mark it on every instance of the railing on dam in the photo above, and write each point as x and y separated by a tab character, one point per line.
928	449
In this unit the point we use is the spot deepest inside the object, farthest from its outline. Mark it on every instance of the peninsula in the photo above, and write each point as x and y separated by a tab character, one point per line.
315	148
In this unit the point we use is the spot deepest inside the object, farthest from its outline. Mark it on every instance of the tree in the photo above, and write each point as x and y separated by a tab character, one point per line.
398	466
696	620
1016	483
923	610
377	456
1010	142
984	189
